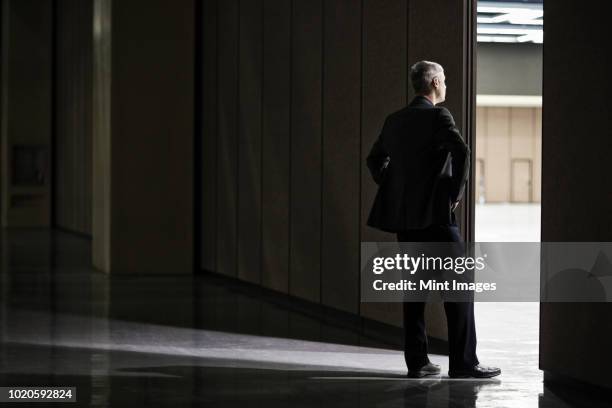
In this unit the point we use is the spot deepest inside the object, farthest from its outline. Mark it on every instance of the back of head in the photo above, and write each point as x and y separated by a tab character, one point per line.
422	74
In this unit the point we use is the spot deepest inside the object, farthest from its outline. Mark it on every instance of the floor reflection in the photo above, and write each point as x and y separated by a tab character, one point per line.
195	341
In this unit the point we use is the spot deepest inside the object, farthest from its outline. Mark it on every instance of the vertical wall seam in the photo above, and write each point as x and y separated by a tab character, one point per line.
52	166
217	111
359	175
407	68
289	229
261	144
2	117
470	233
5	70
321	189
198	135
261	147
237	140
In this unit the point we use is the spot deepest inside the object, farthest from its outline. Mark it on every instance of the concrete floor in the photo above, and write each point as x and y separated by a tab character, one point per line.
198	341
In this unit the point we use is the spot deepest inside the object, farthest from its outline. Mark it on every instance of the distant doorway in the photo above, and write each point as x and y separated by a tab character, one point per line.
521	181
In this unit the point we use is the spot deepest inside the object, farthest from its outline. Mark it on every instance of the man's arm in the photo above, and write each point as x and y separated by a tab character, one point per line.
378	159
450	140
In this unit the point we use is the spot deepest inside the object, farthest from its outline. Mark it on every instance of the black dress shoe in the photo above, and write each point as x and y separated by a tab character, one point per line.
427	369
478	371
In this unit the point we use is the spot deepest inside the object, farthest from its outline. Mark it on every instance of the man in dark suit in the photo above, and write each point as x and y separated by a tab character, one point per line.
421	164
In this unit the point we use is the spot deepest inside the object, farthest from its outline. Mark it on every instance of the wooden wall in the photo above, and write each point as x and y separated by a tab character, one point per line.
148	156
576	195
294	94
504	134
284	139
73	110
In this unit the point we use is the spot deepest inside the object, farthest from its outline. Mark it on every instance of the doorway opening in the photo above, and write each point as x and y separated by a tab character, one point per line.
508	144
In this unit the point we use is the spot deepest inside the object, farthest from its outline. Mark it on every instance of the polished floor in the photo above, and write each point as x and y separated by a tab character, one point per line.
507	222
195	341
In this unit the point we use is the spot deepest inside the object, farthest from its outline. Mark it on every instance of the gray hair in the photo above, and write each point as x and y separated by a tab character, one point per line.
421	75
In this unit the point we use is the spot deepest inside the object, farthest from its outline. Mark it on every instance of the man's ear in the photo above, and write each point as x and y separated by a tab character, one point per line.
436	82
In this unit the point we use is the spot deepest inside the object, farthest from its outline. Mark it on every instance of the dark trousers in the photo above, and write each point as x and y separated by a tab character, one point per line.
459	315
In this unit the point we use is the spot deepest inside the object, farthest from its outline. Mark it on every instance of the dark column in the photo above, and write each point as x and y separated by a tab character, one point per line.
73	122
276	138
576	195
306	106
143	136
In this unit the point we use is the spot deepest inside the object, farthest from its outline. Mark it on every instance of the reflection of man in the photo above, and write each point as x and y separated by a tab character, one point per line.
421	165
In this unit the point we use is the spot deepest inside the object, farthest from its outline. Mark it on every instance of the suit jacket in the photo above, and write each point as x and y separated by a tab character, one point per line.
420	164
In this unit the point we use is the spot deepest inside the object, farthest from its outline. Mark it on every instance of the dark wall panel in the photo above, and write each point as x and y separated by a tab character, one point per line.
73	120
26	112
276	144
209	136
307	85
249	141
574	337
384	86
306	105
152	137
444	46
341	153
227	181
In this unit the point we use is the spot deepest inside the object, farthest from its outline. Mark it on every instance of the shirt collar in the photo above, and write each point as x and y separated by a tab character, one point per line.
421	100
